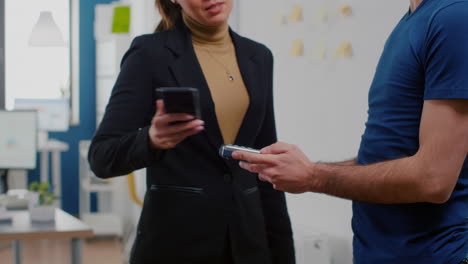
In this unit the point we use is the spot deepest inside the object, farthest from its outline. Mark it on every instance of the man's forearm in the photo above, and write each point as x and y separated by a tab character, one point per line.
396	181
343	163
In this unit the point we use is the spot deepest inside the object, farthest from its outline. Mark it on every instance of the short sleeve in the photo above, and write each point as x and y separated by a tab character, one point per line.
446	54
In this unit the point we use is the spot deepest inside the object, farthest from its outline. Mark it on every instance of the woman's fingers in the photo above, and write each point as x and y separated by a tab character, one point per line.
168	119
168	130
174	139
168	136
179	137
175	129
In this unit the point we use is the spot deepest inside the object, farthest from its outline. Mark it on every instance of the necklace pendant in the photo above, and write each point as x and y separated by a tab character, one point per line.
231	78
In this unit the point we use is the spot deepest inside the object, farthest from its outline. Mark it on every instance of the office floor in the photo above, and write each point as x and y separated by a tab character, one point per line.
103	250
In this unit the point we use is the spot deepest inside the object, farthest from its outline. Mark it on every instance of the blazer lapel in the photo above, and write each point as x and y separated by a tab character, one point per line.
252	75
188	73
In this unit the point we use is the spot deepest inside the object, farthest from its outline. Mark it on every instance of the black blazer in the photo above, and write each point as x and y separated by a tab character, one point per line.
194	197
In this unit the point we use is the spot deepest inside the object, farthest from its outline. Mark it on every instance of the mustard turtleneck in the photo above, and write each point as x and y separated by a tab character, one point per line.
217	56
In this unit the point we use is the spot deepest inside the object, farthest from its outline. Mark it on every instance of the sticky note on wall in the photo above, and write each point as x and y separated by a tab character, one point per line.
345	50
121	19
296	14
297	49
346	10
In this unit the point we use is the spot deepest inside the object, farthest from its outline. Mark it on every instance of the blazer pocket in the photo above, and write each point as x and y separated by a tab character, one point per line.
173	188
250	190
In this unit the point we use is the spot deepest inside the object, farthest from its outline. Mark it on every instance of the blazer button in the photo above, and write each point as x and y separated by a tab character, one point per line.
227	178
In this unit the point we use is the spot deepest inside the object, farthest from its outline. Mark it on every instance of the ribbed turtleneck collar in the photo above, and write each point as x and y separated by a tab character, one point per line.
212	35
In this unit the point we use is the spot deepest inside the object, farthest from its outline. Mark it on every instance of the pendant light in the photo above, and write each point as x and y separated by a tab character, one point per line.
46	32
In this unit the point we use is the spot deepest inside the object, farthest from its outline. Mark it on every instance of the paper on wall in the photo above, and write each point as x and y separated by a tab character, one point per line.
297	49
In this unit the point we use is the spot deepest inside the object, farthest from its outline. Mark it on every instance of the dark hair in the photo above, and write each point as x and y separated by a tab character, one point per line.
170	13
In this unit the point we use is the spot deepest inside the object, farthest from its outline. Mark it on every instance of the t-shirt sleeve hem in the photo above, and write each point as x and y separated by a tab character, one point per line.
458	94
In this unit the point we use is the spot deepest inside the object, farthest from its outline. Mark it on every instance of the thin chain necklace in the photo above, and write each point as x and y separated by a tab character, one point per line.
228	73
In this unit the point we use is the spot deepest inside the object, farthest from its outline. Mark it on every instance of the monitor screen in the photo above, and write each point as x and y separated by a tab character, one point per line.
18	134
54	114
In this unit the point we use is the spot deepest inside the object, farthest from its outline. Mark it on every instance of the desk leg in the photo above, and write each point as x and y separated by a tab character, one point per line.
56	177
44	166
17	252
76	245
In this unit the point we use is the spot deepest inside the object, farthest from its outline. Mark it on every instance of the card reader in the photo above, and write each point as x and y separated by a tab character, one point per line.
226	150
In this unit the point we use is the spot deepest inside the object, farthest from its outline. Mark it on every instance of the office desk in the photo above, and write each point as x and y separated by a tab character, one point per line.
64	227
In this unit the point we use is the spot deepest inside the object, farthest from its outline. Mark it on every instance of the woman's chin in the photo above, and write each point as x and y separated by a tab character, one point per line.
216	20
216	23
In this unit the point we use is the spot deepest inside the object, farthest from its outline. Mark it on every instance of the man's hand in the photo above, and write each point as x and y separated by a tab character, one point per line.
283	165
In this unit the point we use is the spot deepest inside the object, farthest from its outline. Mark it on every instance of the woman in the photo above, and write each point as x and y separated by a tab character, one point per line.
199	208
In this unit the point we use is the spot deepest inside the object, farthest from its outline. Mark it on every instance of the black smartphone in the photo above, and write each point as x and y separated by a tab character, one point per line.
180	100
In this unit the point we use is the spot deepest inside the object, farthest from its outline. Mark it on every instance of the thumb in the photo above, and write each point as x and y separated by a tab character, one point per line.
160	110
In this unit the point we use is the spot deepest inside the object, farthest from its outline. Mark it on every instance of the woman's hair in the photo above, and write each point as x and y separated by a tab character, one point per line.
170	13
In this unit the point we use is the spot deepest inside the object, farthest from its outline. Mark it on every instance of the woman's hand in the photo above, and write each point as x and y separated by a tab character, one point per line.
164	135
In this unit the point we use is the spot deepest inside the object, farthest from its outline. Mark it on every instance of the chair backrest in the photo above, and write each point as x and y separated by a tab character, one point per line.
132	189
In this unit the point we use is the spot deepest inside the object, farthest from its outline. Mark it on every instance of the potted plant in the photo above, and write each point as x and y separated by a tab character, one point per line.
41	207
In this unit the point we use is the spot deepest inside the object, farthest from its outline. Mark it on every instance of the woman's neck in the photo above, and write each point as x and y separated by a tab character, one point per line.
215	35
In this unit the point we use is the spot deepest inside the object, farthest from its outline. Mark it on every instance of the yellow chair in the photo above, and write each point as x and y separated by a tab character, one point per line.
132	189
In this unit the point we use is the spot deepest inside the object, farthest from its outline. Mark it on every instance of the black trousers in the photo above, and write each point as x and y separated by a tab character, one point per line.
228	258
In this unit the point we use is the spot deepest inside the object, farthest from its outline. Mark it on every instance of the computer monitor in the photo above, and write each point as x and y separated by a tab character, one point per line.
18	135
53	114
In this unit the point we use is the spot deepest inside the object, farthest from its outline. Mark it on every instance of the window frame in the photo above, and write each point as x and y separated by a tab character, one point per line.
74	60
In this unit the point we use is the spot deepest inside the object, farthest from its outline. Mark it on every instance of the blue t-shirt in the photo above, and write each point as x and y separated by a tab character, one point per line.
425	58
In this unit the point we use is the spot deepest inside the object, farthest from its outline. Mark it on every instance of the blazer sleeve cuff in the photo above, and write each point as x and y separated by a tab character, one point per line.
147	155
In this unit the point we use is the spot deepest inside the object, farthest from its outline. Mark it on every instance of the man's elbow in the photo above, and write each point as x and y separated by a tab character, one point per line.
439	196
439	189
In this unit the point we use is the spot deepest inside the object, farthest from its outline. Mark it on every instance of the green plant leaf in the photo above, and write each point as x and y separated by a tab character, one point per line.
46	196
34	186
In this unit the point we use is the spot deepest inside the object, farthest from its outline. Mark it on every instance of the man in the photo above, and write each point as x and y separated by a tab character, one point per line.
409	182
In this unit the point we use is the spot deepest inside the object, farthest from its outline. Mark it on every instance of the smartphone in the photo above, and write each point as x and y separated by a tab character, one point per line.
226	150
180	100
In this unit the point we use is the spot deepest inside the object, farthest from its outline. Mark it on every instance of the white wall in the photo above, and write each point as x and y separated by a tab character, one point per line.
321	105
